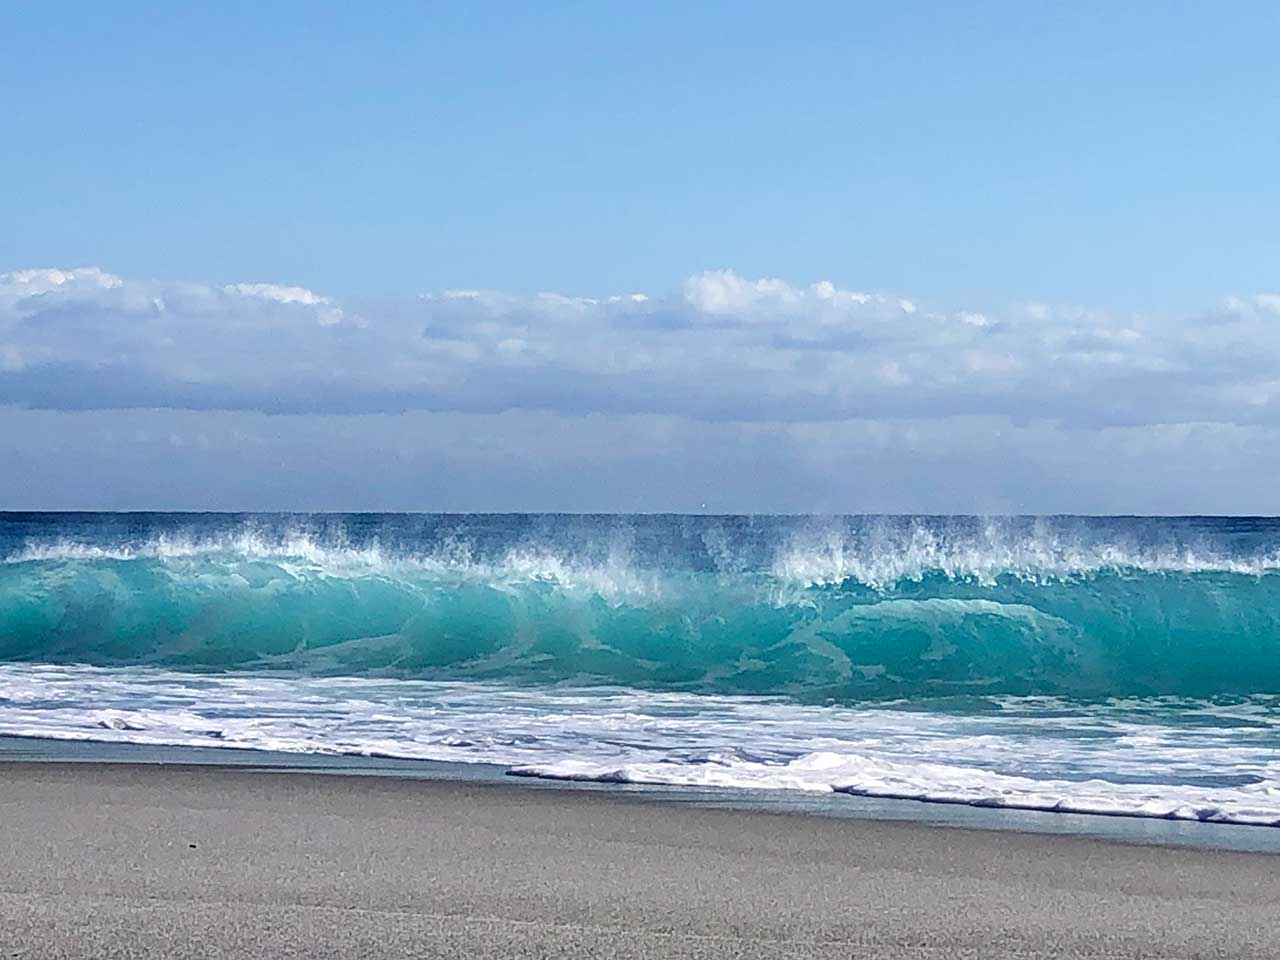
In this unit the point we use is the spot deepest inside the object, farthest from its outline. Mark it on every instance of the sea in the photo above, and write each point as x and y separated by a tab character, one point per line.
1120	666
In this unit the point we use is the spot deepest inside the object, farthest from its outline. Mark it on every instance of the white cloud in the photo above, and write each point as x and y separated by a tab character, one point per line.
30	283
724	348
723	293
278	293
326	313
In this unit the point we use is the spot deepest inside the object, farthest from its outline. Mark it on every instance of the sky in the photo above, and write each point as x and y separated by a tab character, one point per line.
921	257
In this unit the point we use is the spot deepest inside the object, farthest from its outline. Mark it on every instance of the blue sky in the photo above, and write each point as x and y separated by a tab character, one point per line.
1013	245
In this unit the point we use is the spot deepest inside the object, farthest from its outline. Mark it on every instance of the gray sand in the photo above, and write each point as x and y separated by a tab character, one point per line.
145	861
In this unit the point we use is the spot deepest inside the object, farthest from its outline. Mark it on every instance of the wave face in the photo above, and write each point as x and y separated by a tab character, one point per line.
848	609
1123	666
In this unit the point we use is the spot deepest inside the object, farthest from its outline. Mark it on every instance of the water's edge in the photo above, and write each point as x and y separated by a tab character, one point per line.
1144	831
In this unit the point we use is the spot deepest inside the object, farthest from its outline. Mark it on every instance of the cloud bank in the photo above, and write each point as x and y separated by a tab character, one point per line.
723	348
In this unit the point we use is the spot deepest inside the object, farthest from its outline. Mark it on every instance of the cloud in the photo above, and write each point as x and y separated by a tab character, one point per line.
32	283
326	314
722	348
539	461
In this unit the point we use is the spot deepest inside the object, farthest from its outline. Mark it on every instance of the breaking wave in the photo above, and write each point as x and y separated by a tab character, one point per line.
847	611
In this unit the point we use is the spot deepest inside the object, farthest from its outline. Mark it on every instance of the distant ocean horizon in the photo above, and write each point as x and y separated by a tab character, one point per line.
1113	665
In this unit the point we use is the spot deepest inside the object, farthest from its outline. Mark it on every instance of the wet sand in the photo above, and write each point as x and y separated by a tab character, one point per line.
119	860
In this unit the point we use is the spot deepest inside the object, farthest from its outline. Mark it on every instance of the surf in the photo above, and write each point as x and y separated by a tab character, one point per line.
846	613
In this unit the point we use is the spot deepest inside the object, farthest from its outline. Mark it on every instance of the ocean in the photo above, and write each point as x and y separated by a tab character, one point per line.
1122	666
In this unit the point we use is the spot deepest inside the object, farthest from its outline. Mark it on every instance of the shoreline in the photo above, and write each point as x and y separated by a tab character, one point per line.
113	859
1147	831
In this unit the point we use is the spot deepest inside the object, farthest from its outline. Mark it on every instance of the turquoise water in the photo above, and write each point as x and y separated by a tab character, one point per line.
1113	665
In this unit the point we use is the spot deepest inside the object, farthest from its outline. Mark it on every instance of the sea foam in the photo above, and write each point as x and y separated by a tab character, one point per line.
1161	757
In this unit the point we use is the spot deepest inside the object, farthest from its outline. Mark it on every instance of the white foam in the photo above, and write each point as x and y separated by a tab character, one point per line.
884	556
303	555
1255	803
1171	758
879	555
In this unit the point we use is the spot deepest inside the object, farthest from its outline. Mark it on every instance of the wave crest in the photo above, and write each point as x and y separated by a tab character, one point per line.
305	555
884	557
879	555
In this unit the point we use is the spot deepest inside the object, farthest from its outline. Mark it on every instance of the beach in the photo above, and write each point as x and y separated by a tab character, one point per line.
125	860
